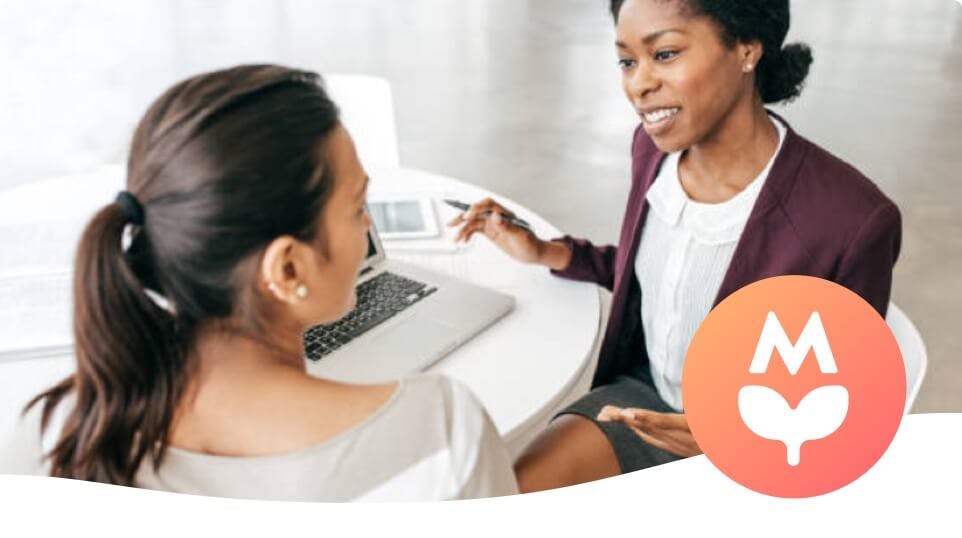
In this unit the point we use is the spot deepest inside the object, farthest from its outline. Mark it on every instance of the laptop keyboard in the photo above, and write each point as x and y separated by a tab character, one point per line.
378	300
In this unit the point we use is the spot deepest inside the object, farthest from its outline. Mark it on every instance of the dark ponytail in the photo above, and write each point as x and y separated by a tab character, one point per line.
128	380
221	165
782	71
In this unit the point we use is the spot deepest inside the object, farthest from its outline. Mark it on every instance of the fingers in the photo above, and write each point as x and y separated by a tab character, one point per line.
649	419
654	441
608	413
468	230
484	206
456	220
665	421
633	417
496	224
471	221
660	430
479	210
482	216
628	416
491	225
672	441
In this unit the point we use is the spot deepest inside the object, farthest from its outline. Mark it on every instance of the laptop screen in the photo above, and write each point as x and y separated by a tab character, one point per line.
375	252
371	249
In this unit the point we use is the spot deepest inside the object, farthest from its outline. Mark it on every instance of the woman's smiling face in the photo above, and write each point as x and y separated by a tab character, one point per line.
677	71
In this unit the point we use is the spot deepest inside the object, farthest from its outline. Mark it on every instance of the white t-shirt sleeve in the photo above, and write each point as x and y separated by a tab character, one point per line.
480	459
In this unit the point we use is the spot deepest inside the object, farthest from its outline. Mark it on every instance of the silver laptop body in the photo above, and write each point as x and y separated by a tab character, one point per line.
446	313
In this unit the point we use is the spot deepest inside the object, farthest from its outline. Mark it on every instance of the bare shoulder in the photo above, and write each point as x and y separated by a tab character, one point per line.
353	402
276	414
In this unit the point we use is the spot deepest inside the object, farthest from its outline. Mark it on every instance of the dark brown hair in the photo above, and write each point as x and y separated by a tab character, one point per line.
222	163
782	71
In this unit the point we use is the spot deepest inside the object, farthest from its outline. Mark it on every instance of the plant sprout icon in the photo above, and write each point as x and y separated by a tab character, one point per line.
820	412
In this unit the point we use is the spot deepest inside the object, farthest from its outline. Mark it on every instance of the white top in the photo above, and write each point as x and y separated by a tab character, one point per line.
431	440
685	250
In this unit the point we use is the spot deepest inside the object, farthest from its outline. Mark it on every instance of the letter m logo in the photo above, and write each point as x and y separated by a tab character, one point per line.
773	338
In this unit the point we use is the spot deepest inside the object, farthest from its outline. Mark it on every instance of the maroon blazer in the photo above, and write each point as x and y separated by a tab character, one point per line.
815	216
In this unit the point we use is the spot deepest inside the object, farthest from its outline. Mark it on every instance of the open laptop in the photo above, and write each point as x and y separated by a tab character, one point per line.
406	319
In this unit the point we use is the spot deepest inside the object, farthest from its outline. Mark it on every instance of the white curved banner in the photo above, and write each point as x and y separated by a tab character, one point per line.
913	489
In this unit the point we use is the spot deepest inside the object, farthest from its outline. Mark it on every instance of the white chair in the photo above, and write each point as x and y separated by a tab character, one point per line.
913	352
367	111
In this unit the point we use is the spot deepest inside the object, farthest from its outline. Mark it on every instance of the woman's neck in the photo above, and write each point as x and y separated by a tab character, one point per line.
225	362
731	157
232	376
213	350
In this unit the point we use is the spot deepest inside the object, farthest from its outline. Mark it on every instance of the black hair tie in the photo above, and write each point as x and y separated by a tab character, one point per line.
133	211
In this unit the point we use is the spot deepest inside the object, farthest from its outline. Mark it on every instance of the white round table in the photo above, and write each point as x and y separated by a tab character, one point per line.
523	368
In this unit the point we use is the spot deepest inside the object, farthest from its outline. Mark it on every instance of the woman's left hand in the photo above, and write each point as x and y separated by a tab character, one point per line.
667	431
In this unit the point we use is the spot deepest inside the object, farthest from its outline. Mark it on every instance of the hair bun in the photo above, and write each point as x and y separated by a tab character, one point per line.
782	75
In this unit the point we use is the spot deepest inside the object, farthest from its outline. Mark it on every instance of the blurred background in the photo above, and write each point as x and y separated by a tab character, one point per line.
519	96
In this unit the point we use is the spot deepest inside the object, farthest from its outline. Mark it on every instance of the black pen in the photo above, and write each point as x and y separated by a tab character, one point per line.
513	220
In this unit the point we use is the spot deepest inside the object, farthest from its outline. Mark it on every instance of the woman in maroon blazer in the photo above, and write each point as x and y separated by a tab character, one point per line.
724	193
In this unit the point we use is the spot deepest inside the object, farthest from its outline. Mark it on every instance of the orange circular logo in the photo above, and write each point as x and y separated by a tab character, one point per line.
794	386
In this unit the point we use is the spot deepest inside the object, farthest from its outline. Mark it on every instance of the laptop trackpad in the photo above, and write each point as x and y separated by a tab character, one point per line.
417	336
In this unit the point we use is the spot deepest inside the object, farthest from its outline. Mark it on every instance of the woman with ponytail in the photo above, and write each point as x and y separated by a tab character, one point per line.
243	223
724	193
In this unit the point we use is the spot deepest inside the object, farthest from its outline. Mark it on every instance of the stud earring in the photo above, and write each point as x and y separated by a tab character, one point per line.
748	68
301	291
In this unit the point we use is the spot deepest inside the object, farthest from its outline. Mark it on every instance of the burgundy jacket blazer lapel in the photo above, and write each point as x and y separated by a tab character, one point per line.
814	216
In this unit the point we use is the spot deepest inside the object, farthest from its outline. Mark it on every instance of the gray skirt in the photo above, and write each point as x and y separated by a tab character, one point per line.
625	391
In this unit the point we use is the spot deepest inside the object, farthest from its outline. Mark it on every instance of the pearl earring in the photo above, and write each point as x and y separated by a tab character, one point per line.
301	291
748	68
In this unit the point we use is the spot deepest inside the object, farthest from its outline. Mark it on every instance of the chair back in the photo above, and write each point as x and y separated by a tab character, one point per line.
913	352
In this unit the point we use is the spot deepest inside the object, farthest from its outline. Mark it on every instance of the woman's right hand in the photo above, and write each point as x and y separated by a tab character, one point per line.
516	241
